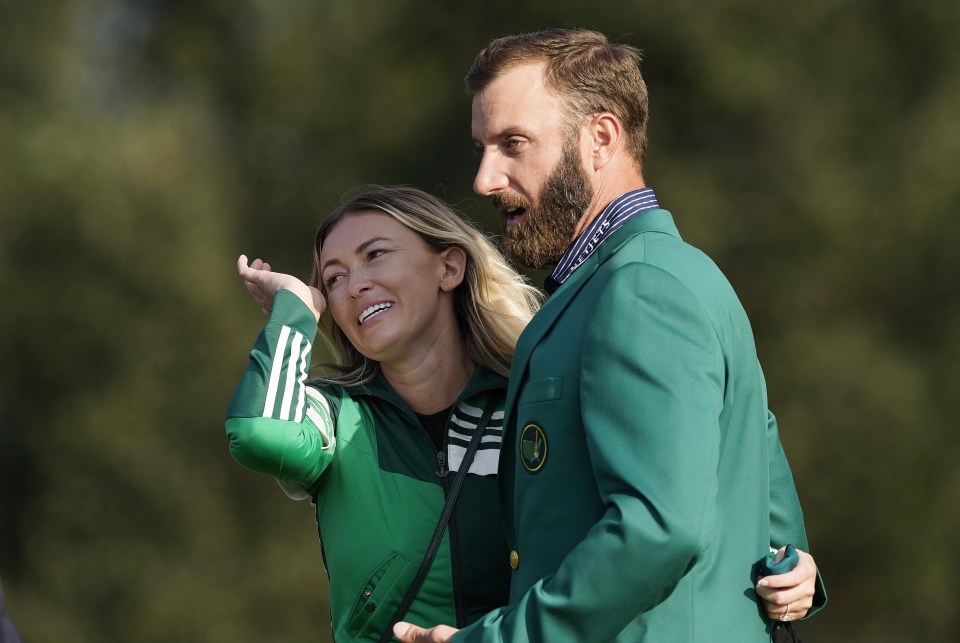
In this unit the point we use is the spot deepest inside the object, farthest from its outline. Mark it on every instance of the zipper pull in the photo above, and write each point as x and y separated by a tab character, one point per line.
442	470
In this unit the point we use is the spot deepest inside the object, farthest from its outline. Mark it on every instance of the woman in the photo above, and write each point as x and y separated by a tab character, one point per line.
422	315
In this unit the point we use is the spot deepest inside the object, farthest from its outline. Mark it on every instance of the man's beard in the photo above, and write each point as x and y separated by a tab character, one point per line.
546	231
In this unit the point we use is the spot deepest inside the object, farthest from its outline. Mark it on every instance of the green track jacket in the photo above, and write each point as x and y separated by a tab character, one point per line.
377	481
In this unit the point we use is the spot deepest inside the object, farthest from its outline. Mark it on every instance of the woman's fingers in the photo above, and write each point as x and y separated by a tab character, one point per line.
790	595
253	274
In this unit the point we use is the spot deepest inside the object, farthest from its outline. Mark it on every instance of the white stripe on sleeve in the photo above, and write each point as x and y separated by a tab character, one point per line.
301	380
291	383
275	370
321	417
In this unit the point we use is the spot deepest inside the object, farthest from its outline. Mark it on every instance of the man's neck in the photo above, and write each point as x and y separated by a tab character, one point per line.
604	192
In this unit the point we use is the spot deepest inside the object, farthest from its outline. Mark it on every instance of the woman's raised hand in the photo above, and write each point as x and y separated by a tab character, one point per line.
262	284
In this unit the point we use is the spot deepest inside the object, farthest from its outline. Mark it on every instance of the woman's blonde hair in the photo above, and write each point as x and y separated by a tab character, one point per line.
493	304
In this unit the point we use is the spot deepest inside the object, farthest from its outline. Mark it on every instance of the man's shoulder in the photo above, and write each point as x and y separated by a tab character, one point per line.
658	248
651	252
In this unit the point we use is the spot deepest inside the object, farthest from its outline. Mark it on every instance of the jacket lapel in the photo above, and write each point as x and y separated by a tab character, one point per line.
657	220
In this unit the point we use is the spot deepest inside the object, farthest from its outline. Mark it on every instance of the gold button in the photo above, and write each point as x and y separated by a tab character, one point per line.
514	559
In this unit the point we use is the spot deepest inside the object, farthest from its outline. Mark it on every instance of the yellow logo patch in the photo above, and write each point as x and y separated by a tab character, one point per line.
533	447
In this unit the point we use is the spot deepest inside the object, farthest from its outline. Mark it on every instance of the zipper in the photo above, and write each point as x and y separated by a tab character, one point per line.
443	472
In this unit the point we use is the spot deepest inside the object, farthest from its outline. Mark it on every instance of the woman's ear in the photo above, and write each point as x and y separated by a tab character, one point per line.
454	261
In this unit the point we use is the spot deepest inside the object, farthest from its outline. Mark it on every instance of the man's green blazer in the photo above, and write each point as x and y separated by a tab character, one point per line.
642	472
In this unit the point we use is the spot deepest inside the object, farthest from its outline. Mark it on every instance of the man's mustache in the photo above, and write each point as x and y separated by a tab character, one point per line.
507	200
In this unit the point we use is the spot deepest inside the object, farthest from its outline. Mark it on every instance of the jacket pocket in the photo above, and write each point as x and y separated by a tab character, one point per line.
541	390
379	599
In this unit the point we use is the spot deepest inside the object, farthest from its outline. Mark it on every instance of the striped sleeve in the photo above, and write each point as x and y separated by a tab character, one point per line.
278	423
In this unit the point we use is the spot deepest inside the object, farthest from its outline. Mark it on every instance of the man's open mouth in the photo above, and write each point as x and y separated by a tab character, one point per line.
512	215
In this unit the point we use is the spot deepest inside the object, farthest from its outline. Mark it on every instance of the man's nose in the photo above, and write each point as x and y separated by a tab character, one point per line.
490	176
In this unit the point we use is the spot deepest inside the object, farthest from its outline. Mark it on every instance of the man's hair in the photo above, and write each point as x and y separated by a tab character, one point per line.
591	74
492	305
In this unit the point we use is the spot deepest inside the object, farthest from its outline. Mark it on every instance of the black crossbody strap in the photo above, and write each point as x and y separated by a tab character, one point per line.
441	524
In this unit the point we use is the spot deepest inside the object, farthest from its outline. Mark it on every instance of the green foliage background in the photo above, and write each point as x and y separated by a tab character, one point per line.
811	148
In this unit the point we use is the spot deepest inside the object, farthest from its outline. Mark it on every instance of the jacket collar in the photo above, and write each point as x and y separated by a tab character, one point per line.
657	220
483	379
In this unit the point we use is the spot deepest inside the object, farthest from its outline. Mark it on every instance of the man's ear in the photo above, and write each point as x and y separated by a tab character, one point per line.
454	261
606	137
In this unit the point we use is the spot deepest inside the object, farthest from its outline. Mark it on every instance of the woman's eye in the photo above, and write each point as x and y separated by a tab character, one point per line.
373	254
332	280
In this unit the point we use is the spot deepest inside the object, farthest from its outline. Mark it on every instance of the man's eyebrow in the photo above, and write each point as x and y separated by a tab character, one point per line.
363	246
504	133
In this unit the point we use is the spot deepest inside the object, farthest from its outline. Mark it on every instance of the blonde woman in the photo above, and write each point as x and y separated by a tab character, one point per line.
422	314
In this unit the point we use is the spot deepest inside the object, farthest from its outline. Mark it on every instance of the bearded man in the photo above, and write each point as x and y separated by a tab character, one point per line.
646	477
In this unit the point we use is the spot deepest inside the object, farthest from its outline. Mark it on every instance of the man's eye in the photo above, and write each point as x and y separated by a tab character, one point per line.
513	143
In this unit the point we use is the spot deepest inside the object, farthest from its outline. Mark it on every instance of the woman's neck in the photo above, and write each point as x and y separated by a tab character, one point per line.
433	383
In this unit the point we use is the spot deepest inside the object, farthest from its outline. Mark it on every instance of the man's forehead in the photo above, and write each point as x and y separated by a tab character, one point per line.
516	98
519	81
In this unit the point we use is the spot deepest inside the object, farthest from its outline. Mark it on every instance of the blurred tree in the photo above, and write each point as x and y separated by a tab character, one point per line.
147	143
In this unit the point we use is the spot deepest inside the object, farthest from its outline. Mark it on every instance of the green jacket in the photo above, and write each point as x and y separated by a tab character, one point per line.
643	473
362	456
